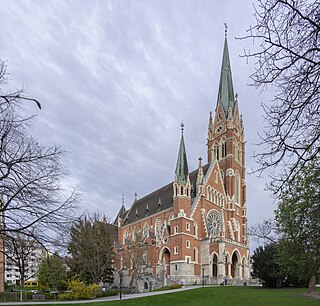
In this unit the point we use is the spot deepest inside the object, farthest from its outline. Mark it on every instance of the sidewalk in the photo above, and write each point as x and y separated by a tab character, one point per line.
105	299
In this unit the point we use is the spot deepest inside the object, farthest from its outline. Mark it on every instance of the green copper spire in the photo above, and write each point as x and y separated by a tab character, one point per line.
226	94
182	165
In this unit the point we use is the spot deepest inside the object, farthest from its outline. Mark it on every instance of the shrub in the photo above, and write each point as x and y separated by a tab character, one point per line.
78	290
175	286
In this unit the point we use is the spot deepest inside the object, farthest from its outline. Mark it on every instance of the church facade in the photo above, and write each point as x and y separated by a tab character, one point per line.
193	229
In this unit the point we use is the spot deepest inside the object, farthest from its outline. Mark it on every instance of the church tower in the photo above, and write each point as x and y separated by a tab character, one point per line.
181	183
226	141
226	135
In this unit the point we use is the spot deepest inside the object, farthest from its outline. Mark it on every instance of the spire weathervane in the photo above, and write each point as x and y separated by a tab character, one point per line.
182	126
225	29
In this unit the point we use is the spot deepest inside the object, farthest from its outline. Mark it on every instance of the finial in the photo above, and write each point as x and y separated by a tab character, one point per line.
182	126
147	208
136	212
122	200
200	161
135	196
225	29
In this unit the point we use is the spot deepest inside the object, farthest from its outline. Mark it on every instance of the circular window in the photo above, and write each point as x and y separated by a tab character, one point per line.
213	223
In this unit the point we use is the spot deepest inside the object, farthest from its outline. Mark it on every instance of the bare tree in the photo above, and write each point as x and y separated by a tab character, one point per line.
136	258
19	251
33	202
288	35
266	231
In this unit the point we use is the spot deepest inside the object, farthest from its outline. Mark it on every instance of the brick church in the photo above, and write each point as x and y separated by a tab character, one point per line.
193	229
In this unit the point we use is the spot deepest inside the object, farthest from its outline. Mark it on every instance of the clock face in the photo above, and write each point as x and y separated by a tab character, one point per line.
213	223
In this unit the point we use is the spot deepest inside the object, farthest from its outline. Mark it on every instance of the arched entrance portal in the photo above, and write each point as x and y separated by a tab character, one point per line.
215	265
146	286
234	264
165	260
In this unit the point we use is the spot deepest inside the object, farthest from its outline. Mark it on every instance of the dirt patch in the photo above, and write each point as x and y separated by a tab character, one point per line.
315	295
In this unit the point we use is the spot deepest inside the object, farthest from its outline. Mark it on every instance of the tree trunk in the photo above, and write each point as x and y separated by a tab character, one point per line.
21	286
312	284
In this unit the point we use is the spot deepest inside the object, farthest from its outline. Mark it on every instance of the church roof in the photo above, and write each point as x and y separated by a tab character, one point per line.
226	93
158	200
121	214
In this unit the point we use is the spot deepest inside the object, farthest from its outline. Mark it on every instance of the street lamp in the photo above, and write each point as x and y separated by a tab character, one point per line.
120	283
203	277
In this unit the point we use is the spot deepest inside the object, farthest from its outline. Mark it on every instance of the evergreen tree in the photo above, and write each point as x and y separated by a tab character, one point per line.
91	250
52	272
265	265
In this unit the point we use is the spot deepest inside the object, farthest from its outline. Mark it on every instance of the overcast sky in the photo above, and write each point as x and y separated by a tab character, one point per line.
116	78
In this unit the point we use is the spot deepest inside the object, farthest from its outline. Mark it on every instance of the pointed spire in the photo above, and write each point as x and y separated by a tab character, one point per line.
200	172
226	93
182	172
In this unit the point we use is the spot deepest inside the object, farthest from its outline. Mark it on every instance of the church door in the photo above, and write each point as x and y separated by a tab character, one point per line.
215	266
234	263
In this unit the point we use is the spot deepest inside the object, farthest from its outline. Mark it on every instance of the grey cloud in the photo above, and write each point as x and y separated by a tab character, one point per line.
116	78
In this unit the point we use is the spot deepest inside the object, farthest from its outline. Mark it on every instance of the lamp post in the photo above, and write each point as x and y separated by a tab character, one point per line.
120	284
202	277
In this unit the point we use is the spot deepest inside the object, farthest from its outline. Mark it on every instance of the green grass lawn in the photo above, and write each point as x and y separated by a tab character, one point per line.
224	296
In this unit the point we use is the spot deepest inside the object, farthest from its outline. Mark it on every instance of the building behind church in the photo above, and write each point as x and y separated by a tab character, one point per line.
193	229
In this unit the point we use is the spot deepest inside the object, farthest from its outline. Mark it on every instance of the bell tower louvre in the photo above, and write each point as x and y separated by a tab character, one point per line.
194	228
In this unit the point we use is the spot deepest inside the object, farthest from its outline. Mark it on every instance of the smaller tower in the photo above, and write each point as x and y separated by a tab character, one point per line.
181	183
200	177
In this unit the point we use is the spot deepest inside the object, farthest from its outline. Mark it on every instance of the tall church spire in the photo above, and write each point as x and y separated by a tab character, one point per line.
182	172
226	93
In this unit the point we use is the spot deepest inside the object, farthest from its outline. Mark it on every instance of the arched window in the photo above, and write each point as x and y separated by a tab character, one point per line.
175	250
237	188
125	237
188	226
196	229
223	148
145	231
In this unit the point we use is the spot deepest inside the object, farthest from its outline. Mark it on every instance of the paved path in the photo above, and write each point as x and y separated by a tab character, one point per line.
105	299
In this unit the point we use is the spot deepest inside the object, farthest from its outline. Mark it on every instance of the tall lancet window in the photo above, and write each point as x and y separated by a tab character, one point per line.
223	148
237	188
216	150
